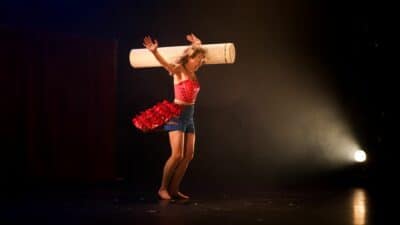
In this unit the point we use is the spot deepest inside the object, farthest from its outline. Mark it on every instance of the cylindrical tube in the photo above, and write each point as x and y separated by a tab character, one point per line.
222	53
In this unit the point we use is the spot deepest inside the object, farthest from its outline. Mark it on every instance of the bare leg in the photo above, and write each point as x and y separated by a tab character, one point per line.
182	166
176	139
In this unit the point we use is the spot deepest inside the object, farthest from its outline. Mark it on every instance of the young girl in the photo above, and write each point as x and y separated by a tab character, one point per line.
176	117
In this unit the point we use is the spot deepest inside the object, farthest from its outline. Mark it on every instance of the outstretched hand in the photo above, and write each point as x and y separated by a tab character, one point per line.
193	39
150	44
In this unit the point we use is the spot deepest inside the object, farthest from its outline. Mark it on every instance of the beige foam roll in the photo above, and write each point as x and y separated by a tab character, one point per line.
221	53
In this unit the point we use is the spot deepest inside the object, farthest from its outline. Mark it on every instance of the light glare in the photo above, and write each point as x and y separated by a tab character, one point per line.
360	156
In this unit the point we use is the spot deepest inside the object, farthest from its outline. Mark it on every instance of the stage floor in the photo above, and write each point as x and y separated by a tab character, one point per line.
123	205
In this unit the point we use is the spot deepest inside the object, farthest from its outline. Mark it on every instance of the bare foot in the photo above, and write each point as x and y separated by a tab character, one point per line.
180	195
164	194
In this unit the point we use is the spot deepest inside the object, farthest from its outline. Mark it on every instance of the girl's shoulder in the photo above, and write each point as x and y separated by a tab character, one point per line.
178	70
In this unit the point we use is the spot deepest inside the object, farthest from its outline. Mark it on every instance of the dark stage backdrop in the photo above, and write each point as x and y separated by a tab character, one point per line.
257	120
58	106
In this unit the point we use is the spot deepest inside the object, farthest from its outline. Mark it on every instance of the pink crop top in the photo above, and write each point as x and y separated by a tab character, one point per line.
187	90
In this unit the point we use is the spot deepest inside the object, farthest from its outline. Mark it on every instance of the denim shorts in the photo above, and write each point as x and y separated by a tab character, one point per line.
184	122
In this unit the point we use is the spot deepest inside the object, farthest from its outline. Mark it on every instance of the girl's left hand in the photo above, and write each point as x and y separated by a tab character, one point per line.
193	39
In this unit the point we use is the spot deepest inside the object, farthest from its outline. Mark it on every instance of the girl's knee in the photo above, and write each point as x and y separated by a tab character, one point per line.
188	157
177	157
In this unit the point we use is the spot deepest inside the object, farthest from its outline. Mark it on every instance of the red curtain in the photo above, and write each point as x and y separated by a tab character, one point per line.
58	105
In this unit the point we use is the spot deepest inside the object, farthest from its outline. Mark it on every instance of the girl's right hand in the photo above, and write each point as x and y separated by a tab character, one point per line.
150	44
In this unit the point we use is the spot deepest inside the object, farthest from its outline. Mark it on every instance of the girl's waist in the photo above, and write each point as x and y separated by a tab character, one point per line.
183	103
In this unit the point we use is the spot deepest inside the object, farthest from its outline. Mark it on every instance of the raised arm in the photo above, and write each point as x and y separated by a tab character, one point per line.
152	47
193	39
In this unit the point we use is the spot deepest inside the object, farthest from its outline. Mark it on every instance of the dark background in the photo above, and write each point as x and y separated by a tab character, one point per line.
290	55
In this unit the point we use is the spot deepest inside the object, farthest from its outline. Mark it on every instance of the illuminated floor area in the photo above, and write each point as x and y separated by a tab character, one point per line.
122	205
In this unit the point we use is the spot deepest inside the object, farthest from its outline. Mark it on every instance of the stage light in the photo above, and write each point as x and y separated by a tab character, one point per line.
360	156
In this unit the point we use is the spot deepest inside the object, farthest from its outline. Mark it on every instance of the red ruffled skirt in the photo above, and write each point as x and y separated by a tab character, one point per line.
156	116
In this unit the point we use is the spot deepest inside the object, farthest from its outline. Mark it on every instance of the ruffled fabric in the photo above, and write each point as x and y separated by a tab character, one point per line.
156	116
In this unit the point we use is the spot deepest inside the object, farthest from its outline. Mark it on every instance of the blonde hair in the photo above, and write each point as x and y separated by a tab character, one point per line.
191	52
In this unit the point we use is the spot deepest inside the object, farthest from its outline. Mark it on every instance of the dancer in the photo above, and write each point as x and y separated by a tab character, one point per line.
176	117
